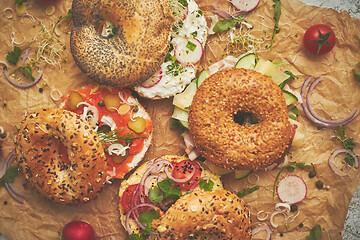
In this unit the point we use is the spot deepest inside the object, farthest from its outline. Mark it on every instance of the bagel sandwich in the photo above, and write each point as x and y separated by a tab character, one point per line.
159	189
187	42
121	122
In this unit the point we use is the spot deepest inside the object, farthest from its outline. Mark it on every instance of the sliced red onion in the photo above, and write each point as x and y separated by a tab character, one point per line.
94	119
222	13
261	228
26	54
312	115
333	166
14	193
147	184
130	212
274	214
23	86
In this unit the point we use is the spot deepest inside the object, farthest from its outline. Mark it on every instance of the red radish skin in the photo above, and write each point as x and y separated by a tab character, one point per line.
184	55
155	79
245	5
291	189
78	230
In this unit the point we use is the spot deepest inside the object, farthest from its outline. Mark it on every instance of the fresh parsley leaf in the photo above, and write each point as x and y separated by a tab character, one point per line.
147	217
277	14
134	236
9	176
26	71
155	195
206	185
246	191
13	56
183	2
169	191
226	24
348	143
315	233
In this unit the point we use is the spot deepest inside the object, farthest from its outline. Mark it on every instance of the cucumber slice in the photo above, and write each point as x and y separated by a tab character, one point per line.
185	124
289	97
240	174
183	100
180	114
270	69
202	76
248	61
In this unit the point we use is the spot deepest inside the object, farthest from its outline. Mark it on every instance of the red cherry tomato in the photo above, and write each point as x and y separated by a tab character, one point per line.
182	170
319	39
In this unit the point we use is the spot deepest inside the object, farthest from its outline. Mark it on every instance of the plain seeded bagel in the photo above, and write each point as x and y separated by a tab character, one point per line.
220	213
140	44
228	144
37	150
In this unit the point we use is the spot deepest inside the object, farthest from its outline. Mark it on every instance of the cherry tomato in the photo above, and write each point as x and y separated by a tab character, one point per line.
319	39
182	170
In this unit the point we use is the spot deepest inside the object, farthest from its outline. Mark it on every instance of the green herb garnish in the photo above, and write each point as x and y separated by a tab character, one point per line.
191	46
115	136
13	56
246	191
291	77
183	2
348	143
206	185
277	9
67	16
226	24
315	233
169	191
155	195
26	71
146	219
19	2
9	176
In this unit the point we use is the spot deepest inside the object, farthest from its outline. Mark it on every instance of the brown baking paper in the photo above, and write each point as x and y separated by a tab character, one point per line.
334	98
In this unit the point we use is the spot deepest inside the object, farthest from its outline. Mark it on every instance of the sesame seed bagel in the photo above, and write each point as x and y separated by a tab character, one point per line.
228	144
134	53
219	213
38	156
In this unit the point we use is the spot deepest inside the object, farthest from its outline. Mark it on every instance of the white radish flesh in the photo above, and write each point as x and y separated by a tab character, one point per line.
291	189
188	51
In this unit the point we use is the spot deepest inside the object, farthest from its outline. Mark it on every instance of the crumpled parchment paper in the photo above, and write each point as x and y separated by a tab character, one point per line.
334	98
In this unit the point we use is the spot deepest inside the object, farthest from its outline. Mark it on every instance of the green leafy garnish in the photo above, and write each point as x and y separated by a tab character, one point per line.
13	56
348	143
291	167
26	71
116	135
155	195
277	9
206	185
315	233
67	16
226	24
191	46
169	191
183	2
146	219
246	191
291	77
9	176
357	73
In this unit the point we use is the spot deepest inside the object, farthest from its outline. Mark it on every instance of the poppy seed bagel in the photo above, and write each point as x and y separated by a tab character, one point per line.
37	148
228	144
134	53
220	213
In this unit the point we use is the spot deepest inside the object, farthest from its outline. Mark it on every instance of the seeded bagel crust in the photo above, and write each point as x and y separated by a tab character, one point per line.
37	145
228	144
136	51
219	213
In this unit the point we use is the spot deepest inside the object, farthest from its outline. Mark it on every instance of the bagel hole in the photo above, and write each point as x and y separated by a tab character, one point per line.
245	119
106	28
63	153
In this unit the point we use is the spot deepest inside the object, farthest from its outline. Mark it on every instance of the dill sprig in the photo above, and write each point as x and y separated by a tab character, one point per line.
116	136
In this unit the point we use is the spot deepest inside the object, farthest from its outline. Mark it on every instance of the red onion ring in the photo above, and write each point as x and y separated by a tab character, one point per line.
333	166
23	86
261	228
127	224
14	193
7	162
312	115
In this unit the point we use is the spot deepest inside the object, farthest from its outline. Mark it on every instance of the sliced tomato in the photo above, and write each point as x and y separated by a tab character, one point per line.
183	169
127	197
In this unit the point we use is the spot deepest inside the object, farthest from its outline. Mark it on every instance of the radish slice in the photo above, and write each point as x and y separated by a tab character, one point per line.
188	51
153	80
245	5
179	11
291	189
